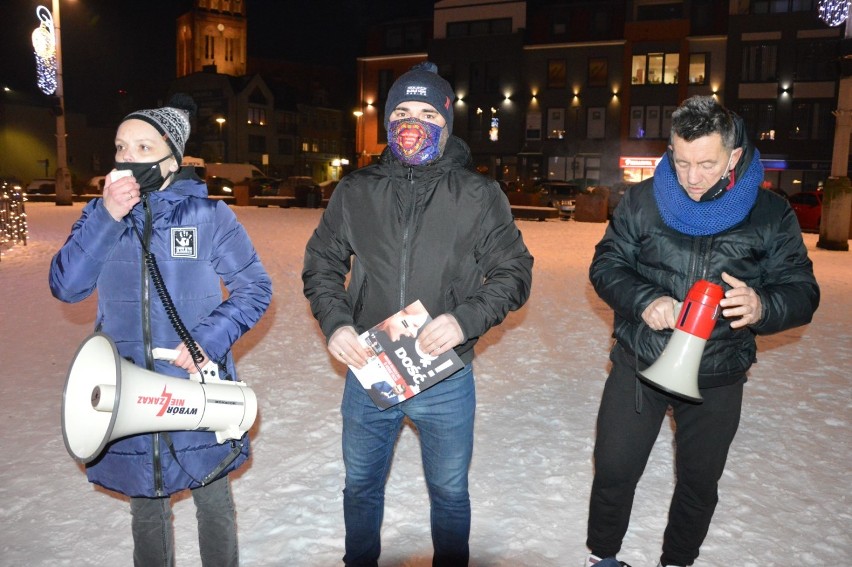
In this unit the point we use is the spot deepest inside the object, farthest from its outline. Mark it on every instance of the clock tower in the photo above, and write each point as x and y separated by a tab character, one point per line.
212	35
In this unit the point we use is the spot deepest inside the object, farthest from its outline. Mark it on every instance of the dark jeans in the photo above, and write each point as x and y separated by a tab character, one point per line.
443	415
153	536
704	433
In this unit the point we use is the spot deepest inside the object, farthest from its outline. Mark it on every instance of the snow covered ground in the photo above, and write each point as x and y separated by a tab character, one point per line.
785	497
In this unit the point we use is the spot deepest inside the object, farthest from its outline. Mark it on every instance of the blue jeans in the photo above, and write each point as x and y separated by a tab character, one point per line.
443	415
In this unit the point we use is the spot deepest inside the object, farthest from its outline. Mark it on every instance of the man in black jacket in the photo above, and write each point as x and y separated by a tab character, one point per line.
701	217
420	224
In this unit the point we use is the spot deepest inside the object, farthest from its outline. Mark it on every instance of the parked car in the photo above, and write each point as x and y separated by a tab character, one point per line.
327	188
561	195
509	186
42	186
95	186
263	186
219	186
808	208
287	187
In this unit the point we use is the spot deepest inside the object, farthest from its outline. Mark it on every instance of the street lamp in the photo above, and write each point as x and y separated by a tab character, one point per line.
220	120
359	136
49	57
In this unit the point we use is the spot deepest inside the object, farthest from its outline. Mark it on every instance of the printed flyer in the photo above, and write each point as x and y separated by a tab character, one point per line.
397	370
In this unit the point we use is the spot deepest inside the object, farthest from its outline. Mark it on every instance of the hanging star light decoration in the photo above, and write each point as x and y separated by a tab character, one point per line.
44	44
833	12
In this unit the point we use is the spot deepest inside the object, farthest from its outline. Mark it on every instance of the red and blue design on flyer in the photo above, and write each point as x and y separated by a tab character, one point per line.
397	369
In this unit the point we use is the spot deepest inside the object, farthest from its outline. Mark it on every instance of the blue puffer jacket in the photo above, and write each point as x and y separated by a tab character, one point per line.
198	244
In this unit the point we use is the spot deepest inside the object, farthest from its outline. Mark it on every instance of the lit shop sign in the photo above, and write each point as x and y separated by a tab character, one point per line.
624	162
774	163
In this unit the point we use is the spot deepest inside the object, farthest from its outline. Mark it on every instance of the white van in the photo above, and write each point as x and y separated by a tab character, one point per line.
236	172
197	163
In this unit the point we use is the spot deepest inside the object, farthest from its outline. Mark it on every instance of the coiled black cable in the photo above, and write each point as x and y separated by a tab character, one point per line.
163	293
171	311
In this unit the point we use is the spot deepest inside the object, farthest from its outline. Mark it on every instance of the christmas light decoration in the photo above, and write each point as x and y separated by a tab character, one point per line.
13	218
44	43
833	12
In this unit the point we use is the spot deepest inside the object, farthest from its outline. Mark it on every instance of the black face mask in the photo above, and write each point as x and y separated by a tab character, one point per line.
147	174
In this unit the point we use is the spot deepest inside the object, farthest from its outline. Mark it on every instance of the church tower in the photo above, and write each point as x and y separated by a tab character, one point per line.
212	35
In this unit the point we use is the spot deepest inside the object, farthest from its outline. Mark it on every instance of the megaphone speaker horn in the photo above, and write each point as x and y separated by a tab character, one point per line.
676	370
107	397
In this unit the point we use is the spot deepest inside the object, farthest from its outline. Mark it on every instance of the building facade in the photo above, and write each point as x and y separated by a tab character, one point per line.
584	90
273	114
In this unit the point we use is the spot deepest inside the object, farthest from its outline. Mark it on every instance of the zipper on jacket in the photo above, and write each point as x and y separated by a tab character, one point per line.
147	345
406	233
699	261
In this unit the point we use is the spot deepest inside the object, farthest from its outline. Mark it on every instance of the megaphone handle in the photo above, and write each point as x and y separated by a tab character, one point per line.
169	354
209	371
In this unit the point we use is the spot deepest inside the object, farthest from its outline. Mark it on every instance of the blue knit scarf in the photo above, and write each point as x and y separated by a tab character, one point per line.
703	218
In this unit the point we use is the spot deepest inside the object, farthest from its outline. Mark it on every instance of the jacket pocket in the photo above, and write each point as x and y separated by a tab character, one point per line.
451	298
360	299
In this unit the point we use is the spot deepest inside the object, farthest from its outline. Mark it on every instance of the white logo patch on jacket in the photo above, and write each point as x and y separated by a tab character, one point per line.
184	242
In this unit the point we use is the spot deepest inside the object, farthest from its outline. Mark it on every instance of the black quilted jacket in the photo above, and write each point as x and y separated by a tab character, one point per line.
440	233
640	259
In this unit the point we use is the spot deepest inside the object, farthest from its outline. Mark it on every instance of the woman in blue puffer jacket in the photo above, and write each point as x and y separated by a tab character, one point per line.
198	245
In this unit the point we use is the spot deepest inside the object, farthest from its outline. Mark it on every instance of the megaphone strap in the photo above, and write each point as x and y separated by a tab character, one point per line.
236	449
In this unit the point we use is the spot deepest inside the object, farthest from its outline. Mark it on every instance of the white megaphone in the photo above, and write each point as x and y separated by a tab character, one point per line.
676	370
107	397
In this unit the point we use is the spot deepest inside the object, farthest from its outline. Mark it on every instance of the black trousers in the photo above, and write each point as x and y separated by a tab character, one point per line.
625	437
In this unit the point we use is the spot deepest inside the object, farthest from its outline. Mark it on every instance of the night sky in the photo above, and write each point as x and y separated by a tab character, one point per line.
129	45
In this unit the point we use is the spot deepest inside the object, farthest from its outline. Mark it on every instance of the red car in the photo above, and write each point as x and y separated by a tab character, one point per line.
808	208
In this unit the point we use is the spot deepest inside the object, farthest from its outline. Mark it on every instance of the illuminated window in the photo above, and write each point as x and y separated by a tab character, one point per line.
655	69
494	132
759	119
257	116
639	70
670	68
698	69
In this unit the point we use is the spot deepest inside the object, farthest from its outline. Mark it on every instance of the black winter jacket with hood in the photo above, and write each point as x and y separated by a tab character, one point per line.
440	233
640	258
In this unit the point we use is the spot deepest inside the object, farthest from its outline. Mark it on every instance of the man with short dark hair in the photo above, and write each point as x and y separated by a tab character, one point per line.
701	217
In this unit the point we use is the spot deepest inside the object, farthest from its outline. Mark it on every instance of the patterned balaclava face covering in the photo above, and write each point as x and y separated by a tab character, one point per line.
412	141
415	142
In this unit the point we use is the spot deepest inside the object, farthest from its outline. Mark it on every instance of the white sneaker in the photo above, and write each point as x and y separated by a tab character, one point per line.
660	564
